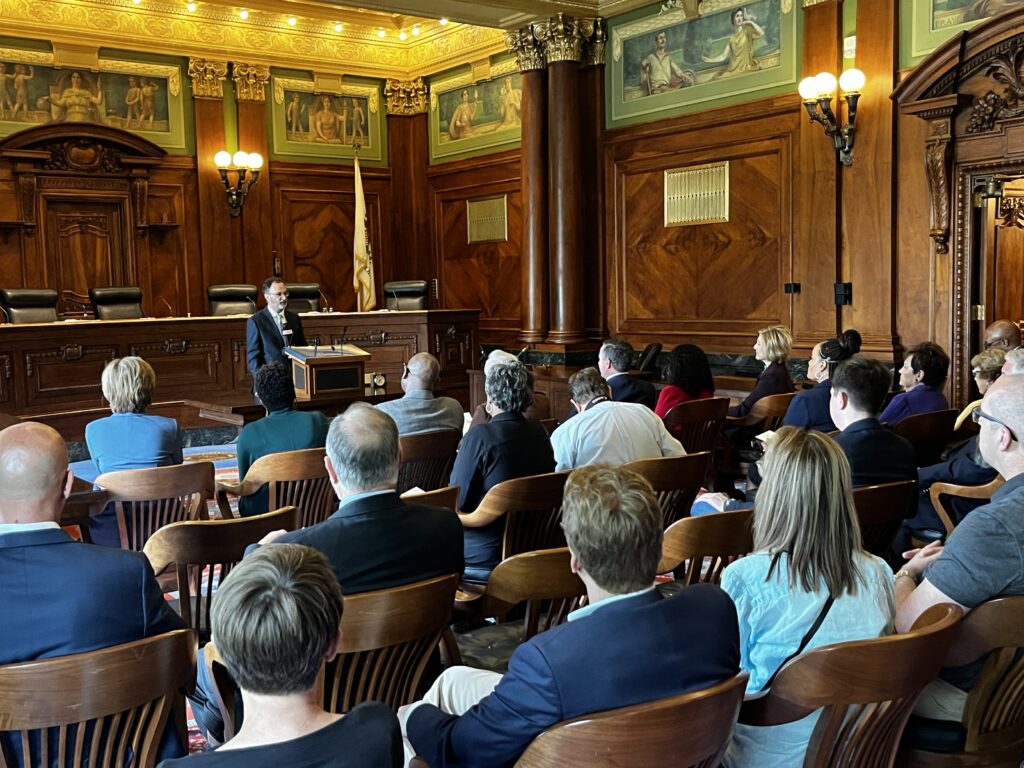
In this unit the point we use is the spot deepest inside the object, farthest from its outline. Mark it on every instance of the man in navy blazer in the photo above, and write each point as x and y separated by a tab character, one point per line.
270	330
613	362
59	596
628	646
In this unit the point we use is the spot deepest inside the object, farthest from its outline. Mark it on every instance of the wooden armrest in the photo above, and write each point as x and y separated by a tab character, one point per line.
763	709
235	489
223	688
962	491
224	505
936	490
742	421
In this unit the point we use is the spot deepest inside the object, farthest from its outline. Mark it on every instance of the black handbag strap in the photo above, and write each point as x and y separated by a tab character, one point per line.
808	636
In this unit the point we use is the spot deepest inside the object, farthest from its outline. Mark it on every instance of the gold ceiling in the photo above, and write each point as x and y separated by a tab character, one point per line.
398	38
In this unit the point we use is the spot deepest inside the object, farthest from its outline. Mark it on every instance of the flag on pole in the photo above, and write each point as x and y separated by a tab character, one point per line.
362	253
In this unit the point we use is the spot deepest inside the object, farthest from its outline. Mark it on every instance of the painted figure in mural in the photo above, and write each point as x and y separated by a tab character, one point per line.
77	104
325	122
461	124
133	100
358	120
739	49
659	73
344	120
293	113
147	89
511	102
6	100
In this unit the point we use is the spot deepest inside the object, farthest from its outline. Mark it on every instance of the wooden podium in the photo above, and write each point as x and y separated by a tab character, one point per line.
323	371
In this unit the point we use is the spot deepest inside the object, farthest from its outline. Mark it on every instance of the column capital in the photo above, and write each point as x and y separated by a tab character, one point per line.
207	78
562	36
250	81
593	49
527	49
406	97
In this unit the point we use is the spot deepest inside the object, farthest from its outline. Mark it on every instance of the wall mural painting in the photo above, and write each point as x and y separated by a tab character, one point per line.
324	118
468	116
933	22
672	56
953	13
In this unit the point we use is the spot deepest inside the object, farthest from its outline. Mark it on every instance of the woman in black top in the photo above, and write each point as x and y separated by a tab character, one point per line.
772	349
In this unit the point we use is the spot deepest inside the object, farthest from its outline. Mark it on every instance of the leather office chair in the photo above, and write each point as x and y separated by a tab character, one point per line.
231	299
304	297
29	305
116	302
405	294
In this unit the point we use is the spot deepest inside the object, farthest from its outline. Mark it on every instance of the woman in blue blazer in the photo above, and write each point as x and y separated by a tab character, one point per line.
809	409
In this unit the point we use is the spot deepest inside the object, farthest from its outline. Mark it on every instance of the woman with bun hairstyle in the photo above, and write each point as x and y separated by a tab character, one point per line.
809	408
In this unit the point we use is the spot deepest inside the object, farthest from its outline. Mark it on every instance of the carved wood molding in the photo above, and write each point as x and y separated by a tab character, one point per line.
1011	212
937	166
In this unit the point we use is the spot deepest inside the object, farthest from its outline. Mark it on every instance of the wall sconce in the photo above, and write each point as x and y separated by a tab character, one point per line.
240	164
817	93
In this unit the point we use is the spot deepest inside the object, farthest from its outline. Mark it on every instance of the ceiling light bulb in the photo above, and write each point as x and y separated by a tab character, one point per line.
243	14
852	81
136	1
826	84
381	33
338	27
403	36
442	21
240	159
222	159
292	21
255	161
416	30
808	88
191	7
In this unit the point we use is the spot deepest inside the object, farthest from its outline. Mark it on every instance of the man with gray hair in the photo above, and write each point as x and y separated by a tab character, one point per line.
1014	362
606	431
419	410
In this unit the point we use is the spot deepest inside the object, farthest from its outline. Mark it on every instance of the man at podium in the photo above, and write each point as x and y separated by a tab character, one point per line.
269	331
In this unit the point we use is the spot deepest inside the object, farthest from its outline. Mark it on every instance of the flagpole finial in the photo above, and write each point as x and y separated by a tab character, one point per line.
356	147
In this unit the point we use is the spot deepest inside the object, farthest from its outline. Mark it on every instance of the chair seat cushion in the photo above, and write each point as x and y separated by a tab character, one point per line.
490	647
934	735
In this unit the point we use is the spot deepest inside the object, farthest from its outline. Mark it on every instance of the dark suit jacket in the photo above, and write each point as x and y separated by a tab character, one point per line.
628	389
961	468
626	652
877	454
774	380
809	409
264	343
60	597
378	542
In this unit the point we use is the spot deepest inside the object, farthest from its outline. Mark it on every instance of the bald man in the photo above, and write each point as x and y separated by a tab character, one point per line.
983	556
59	596
418	410
1002	334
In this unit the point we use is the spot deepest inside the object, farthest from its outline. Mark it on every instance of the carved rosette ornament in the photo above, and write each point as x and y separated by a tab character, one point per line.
527	49
562	37
250	81
207	78
1005	68
406	97
937	168
1011	212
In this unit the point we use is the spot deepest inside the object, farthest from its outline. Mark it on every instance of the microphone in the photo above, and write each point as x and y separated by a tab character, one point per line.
395	294
316	343
325	307
519	355
254	309
169	310
7	317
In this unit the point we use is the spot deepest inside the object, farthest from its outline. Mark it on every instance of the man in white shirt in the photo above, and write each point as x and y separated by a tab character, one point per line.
608	432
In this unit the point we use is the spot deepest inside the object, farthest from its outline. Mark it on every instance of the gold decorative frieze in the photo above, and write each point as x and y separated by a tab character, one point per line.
406	97
250	81
207	78
22	56
527	49
562	36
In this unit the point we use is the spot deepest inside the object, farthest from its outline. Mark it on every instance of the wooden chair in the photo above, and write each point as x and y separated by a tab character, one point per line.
881	509
203	552
698	424
532	507
689	730
293	478
447	497
675	479
7	420
427	459
721	537
992	732
929	433
938	490
767	413
146	500
866	689
105	709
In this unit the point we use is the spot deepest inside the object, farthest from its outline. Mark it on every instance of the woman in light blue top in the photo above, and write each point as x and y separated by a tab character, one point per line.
807	547
129	438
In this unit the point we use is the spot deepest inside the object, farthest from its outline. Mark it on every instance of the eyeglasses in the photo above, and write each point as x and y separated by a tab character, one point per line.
283	294
977	415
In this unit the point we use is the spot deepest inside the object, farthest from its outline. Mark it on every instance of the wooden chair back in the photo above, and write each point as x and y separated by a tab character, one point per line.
929	433
203	552
145	500
105	709
294	479
447	497
866	688
532	507
387	639
675	479
7	420
767	413
880	510
938	490
702	546
426	459
697	424
687	731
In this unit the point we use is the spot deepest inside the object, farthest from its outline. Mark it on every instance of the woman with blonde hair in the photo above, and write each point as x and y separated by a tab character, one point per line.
986	367
771	349
808	582
129	438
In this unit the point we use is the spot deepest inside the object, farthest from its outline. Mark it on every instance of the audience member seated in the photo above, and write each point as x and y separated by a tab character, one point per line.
58	596
129	438
539	407
923	373
876	454
984	556
613	361
1014	362
282	429
986	367
628	646
506	447
808	582
275	623
608	432
809	408
1004	335
771	349
375	540
687	377
418	410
